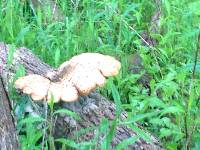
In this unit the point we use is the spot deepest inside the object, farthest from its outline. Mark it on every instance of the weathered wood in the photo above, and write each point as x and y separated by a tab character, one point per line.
92	108
8	136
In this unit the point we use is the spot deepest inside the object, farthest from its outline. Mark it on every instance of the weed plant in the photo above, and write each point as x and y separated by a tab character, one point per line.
171	111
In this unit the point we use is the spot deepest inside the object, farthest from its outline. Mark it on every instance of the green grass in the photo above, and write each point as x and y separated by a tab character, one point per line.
104	27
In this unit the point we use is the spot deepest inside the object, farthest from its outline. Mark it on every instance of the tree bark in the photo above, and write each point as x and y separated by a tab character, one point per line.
91	109
8	136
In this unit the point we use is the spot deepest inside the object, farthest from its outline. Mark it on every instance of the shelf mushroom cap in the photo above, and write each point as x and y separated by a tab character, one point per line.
78	76
41	88
108	65
89	70
34	85
64	91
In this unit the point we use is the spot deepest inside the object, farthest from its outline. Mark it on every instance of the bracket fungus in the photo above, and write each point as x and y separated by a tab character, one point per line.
78	76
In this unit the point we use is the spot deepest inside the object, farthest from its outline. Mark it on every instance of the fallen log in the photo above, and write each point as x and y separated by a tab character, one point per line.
8	135
91	109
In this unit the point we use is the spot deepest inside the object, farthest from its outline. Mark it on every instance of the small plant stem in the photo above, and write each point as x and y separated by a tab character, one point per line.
187	135
196	57
52	147
45	124
186	127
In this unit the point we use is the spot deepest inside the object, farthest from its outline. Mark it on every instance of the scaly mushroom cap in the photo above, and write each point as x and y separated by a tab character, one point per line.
88	71
108	65
64	91
34	85
78	76
39	88
69	92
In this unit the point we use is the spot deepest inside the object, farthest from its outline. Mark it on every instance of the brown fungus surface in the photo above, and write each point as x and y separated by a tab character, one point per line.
34	85
78	76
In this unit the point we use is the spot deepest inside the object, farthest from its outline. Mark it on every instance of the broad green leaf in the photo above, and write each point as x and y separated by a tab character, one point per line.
57	57
116	96
139	117
191	100
108	139
20	71
167	6
30	120
126	142
21	34
171	109
11	54
164	132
